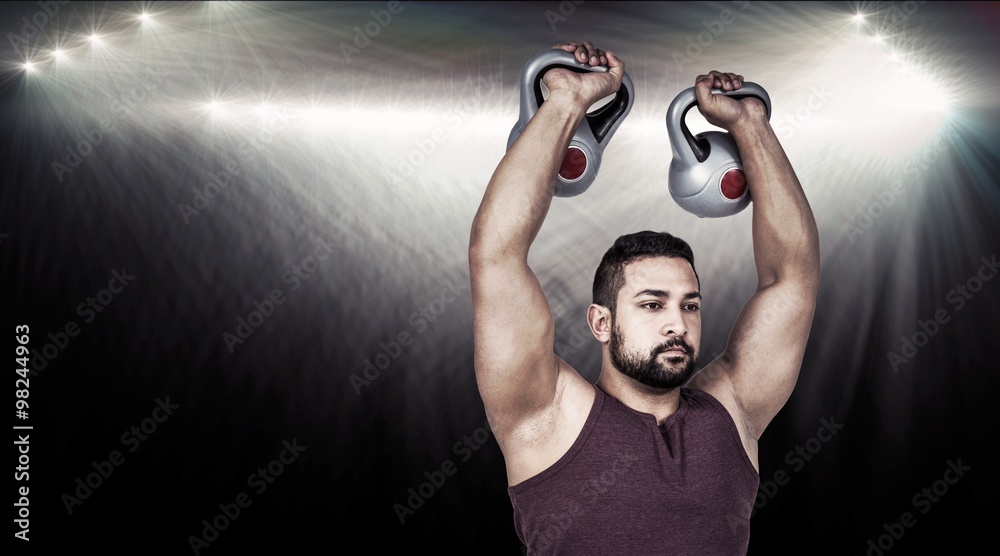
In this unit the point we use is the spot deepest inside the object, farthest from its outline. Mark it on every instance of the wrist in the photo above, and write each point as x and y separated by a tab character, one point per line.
750	127
567	102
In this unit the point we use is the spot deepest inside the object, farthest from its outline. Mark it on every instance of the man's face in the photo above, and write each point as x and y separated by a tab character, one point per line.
656	330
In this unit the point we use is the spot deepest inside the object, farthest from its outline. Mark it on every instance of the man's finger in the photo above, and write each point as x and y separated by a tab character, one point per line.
718	79
614	62
703	88
591	53
579	53
616	67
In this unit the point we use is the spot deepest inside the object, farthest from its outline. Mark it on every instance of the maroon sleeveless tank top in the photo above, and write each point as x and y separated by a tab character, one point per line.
629	486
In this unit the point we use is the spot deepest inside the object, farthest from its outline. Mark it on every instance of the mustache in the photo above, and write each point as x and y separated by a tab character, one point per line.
673	344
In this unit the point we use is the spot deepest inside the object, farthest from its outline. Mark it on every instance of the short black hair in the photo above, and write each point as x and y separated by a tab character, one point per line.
610	276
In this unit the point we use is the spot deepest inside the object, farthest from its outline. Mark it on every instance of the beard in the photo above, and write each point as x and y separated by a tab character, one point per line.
649	370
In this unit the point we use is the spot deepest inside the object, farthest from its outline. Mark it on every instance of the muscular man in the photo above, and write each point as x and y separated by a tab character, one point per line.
650	460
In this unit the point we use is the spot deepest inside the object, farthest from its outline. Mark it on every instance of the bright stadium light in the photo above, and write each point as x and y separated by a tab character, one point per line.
878	39
859	18
29	67
266	109
94	38
58	53
144	17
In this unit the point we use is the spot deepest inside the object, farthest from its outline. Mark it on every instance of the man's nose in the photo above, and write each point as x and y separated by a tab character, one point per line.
673	325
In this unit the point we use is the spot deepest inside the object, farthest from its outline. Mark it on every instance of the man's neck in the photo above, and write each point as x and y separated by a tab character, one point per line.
644	399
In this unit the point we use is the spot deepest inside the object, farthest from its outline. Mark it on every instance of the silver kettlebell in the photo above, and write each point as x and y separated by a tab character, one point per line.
583	156
706	175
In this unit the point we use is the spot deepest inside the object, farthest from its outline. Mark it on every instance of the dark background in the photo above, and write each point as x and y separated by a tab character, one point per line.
399	242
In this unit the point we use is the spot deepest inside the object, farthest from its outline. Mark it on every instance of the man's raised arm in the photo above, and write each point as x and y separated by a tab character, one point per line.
768	340
516	366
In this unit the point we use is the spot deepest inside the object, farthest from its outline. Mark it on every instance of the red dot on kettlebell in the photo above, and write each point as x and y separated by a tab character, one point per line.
574	164
734	184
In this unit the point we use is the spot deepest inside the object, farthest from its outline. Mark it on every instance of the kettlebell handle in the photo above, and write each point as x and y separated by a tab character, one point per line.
602	120
582	159
678	131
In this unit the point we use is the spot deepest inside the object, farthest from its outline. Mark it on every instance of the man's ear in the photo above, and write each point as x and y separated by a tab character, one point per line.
599	319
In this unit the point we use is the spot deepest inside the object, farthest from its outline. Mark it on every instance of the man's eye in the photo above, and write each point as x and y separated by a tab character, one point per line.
692	307
651	303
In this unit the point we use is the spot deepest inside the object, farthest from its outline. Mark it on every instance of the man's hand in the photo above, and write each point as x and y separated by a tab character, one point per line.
722	111
586	88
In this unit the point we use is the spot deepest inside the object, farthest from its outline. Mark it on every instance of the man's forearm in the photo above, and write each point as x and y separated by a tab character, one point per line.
785	238
520	192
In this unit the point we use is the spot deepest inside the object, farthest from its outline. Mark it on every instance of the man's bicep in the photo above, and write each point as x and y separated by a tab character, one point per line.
766	346
516	366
